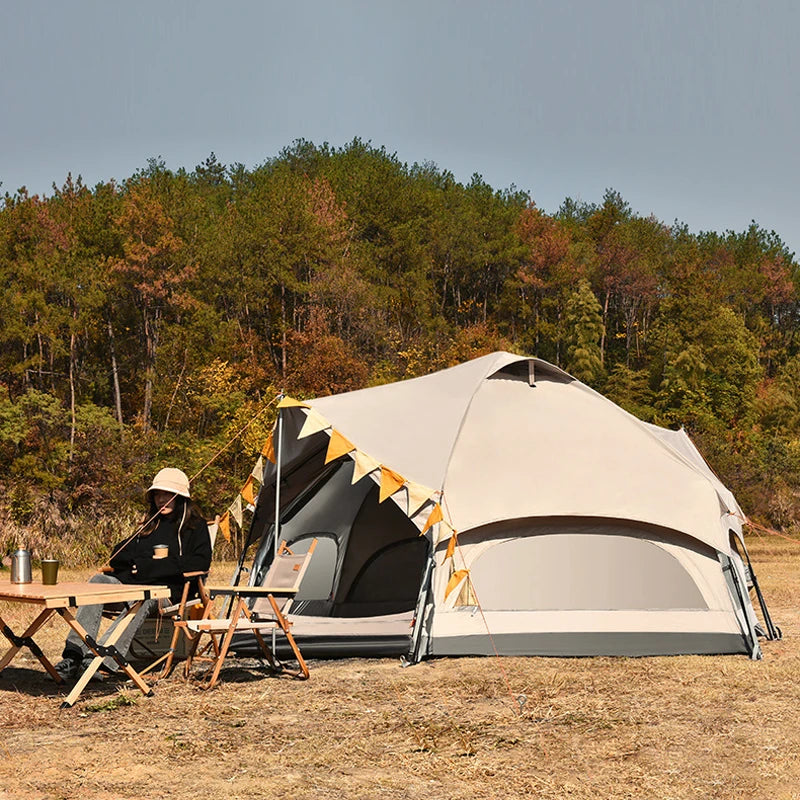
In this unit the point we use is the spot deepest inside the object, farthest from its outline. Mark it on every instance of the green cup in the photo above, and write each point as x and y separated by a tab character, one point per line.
50	571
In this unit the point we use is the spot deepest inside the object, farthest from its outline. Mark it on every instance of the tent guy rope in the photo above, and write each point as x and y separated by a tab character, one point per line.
200	471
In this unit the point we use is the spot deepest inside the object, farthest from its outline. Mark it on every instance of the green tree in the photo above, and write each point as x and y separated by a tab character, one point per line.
584	334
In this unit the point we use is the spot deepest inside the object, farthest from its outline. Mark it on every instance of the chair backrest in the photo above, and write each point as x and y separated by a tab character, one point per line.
285	574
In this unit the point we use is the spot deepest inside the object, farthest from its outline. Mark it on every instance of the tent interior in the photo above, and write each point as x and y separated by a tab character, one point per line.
368	565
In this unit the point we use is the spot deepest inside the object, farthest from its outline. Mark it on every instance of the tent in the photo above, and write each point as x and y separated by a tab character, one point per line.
500	506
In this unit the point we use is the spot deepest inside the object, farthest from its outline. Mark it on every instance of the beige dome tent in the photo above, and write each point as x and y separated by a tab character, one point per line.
553	522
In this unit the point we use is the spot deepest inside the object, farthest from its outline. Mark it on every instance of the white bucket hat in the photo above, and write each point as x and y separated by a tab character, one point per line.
173	480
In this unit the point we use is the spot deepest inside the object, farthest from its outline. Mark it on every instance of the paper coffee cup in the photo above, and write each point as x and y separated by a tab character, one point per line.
160	551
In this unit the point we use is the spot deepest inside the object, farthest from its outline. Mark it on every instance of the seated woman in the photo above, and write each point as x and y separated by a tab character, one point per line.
172	541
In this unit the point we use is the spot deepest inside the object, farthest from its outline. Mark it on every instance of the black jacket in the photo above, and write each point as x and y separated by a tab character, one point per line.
188	552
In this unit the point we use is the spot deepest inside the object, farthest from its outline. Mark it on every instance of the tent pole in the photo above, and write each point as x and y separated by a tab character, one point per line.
773	632
414	656
750	636
277	526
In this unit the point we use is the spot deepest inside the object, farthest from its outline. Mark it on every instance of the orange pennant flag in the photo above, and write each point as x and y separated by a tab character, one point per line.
290	402
268	450
247	491
451	546
455	579
435	516
390	483
225	526
338	446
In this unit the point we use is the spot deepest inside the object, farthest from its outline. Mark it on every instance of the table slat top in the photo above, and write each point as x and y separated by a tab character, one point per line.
78	593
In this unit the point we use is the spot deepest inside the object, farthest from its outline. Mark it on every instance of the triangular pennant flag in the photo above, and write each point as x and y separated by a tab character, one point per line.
247	491
338	446
225	526
466	597
268	450
314	423
451	546
390	483
455	579
236	510
434	517
290	402
258	470
364	464
444	531
418	495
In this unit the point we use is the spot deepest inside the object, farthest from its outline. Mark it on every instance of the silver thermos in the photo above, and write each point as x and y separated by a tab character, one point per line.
21	567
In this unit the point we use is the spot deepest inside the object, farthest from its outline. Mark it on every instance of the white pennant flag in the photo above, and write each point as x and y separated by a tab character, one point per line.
418	495
364	464
236	510
314	423
258	470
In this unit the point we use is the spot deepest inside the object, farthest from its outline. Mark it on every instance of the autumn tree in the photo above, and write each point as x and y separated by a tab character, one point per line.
150	271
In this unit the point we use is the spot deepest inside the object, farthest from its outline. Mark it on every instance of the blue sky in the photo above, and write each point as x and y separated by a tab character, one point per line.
689	109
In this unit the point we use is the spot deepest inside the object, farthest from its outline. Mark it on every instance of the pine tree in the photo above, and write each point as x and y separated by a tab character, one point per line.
584	334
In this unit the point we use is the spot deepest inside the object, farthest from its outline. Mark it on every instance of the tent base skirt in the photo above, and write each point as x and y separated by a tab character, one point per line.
567	644
331	647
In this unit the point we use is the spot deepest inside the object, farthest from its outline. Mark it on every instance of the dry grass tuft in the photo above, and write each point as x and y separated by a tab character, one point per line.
682	727
76	539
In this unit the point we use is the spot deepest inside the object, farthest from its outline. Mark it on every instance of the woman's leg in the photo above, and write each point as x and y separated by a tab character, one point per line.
148	608
89	617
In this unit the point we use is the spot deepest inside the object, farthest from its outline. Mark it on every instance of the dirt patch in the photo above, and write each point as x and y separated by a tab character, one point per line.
681	727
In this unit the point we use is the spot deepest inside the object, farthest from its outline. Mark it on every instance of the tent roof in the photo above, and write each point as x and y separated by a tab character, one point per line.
500	448
411	426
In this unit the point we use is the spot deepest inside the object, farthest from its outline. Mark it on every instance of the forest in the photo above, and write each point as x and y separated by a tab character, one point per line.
154	321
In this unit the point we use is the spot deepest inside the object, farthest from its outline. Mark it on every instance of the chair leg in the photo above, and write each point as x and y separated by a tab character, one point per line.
304	673
285	626
220	659
194	639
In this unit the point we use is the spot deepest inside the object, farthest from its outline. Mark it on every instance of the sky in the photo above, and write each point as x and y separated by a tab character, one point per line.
690	109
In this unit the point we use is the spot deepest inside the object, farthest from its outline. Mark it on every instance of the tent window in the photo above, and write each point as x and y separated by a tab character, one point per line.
573	571
318	580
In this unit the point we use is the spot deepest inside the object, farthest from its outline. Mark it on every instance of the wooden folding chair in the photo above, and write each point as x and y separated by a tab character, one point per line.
181	611
271	604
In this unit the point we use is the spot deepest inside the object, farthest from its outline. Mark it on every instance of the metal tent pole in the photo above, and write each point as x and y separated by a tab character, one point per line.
277	526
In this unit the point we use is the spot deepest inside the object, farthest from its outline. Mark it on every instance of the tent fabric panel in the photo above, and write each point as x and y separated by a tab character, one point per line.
465	622
681	442
428	410
697	560
582	571
397	624
302	461
385	558
327	510
591	644
606	466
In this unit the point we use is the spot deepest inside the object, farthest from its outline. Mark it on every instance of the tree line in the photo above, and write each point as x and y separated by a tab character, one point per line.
147	322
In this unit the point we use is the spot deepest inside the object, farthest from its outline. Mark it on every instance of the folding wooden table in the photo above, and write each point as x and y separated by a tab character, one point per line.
61	599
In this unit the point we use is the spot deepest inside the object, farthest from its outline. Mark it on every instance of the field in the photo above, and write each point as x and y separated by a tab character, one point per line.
680	727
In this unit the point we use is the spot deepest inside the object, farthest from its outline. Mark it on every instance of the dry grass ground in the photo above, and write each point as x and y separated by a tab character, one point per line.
681	727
